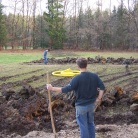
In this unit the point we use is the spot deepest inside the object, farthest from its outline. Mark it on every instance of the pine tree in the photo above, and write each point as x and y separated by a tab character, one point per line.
55	19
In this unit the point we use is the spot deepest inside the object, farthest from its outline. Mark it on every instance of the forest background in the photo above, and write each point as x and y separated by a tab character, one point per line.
65	25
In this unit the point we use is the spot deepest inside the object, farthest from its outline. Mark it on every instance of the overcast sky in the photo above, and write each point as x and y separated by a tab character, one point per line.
92	3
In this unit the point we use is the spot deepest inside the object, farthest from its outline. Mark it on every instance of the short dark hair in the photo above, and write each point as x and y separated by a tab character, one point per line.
82	62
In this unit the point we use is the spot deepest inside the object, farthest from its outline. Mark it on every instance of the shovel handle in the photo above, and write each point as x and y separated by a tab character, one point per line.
50	108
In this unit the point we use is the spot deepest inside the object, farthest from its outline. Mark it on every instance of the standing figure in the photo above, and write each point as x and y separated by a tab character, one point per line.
45	57
85	86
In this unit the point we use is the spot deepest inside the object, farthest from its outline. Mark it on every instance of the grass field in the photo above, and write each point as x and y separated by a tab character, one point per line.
25	56
13	71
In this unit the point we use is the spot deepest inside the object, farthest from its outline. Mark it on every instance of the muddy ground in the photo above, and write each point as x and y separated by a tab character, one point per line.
25	113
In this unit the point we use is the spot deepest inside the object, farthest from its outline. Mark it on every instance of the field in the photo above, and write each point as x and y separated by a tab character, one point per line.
20	70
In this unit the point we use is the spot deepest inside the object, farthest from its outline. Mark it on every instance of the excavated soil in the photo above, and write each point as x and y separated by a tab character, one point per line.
25	113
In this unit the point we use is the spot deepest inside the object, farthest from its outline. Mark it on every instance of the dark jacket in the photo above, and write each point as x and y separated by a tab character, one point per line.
85	87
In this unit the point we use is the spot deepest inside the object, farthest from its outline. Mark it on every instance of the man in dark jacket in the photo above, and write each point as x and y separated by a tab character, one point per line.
85	86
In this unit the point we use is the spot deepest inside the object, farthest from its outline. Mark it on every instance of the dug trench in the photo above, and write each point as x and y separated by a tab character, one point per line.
27	109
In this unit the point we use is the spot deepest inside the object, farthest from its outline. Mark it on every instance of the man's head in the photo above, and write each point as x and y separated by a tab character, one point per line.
81	62
46	50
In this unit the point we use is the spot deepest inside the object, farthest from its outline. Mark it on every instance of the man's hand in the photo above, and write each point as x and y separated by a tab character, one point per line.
56	89
49	86
98	100
97	103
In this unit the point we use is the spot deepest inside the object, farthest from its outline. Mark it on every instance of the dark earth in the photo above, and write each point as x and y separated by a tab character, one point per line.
25	113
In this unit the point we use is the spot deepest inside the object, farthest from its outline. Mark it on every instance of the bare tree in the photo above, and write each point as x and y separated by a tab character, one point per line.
34	25
13	24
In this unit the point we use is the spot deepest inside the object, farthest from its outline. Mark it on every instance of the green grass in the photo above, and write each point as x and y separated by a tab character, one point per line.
10	66
19	73
62	54
10	58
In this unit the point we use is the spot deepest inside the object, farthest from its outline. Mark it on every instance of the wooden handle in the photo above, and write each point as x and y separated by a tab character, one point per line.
51	114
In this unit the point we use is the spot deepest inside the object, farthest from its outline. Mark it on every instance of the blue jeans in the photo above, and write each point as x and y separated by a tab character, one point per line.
85	120
45	60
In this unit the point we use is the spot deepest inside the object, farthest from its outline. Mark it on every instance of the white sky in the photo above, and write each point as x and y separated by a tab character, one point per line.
42	3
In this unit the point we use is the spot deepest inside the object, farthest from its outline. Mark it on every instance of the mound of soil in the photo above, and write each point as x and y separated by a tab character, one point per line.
26	114
97	59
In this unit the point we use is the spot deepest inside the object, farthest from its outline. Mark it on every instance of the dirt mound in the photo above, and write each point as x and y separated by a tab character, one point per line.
24	112
30	108
97	59
27	110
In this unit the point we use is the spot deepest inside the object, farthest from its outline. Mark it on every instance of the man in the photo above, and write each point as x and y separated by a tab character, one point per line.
45	57
85	86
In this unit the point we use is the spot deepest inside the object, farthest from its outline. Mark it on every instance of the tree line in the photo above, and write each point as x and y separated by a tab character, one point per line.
55	28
